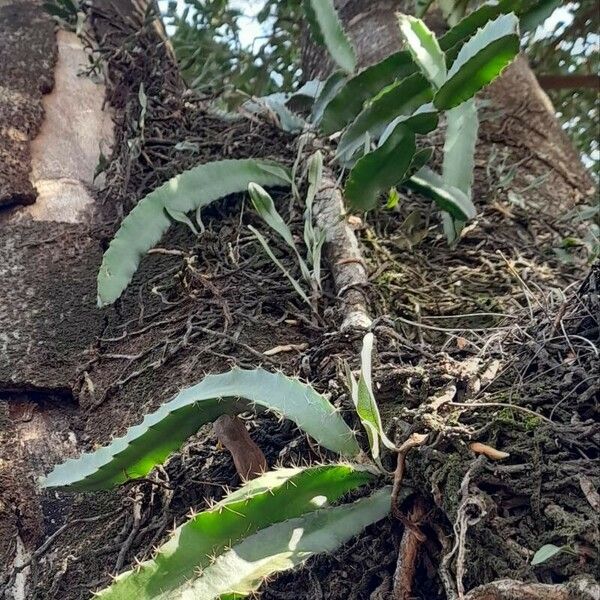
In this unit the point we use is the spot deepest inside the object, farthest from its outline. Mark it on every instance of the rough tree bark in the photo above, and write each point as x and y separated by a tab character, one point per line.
50	250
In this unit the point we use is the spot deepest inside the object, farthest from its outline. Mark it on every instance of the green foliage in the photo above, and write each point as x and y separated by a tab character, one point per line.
364	400
424	48
351	98
327	30
271	524
330	90
458	167
213	59
314	237
241	570
459	148
377	171
533	14
548	551
447	197
271	498
207	41
567	50
402	107
401	98
265	207
295	284
162	432
148	221
480	61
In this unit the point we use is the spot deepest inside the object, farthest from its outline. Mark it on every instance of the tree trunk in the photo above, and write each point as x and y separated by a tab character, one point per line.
72	376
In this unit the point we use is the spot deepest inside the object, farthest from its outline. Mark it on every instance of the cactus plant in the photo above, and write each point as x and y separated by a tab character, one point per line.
272	523
272	498
147	222
162	432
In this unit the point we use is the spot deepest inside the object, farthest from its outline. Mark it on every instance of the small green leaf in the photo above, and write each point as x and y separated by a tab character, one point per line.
295	284
265	207
419	160
365	403
402	98
181	217
376	172
241	570
424	48
327	30
545	553
447	197
271	498
351	98
393	198
162	432
315	174
480	61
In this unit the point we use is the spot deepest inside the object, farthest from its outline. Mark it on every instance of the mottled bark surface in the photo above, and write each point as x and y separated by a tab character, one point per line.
27	54
49	323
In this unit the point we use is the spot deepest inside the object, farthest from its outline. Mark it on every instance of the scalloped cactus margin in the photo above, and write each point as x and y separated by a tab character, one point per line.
242	570
162	432
272	498
195	188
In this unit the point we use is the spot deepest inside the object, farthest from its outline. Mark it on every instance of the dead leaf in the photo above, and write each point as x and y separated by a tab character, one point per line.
488	451
592	496
285	348
461	343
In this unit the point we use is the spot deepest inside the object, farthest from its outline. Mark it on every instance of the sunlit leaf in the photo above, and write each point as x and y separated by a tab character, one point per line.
271	498
424	48
480	61
162	432
241	570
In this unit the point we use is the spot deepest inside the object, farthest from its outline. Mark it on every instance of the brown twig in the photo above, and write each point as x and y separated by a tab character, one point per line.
416	439
409	552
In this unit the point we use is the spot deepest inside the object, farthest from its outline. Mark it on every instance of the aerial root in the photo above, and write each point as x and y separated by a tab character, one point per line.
408	554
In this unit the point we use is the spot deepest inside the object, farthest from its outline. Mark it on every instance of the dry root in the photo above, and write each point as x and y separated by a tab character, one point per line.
579	588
